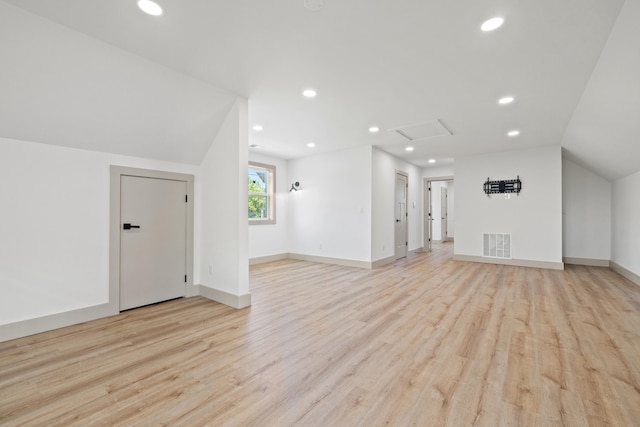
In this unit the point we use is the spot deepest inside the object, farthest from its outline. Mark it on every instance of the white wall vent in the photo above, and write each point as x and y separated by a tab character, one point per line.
496	245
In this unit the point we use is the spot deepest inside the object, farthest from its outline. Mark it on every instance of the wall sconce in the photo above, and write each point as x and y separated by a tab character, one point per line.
294	186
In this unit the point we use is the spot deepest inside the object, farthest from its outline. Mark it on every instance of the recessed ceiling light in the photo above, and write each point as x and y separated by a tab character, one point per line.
257	128
311	144
492	24
309	93
513	132
506	100
150	7
409	148
432	160
374	129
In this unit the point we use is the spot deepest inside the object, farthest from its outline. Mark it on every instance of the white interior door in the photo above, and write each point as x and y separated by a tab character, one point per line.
429	217
443	213
153	240
401	216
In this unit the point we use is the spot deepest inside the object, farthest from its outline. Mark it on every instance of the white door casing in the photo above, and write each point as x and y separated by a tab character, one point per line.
400	214
428	208
443	214
429	216
152	257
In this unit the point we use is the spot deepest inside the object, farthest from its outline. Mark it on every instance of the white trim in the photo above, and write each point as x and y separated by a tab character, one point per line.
226	298
628	274
268	258
271	193
515	262
37	325
591	262
382	262
440	178
328	260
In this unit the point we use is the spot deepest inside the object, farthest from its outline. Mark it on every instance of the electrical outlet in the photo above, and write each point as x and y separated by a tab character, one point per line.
210	270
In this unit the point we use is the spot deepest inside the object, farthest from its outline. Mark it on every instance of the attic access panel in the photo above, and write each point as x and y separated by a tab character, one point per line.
424	130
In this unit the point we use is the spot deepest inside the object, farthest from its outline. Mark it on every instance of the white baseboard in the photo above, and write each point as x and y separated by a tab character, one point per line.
382	262
328	260
37	325
515	262
269	258
226	298
625	273
591	262
59	320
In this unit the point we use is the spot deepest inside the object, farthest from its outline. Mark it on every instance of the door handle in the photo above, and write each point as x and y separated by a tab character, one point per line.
397	220
127	226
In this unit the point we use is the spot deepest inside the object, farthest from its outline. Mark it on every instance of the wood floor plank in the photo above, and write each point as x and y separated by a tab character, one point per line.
424	341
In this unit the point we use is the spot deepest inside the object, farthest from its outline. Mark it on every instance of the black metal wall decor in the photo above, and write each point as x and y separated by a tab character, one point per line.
506	186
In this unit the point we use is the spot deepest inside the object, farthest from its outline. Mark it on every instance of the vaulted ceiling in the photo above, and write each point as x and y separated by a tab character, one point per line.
103	75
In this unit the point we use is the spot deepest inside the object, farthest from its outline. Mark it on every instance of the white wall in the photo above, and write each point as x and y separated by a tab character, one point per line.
224	227
586	208
54	227
625	244
330	216
384	167
534	218
437	171
271	239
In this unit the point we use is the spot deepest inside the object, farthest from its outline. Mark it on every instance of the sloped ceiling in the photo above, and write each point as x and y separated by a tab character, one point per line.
391	64
604	132
60	87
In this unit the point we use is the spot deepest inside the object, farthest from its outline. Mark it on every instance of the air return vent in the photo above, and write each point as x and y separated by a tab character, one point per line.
496	245
424	130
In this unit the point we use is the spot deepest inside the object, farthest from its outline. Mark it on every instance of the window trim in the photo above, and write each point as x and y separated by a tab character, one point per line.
270	194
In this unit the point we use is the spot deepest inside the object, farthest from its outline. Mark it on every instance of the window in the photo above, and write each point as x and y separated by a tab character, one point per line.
262	184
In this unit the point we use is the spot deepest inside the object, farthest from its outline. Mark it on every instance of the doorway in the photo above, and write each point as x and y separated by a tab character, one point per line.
400	214
444	215
438	208
151	237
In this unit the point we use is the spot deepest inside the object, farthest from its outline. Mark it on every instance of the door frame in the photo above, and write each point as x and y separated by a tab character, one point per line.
427	209
444	221
114	226
406	216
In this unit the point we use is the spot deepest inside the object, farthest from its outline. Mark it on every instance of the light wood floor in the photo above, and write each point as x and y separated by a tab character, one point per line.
424	342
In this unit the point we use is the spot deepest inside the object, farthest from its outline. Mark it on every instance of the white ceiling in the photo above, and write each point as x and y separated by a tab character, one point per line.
388	63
